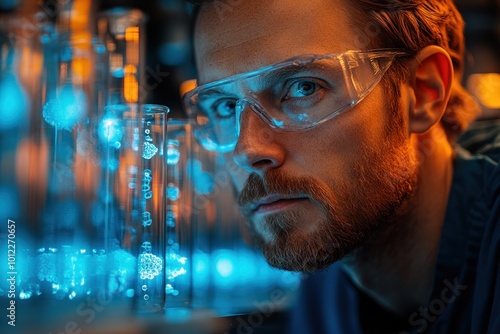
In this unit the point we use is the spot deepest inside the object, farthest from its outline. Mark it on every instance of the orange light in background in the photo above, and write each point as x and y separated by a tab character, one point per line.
80	15
30	68
87	173
81	65
132	48
130	85
486	88
186	86
132	34
32	164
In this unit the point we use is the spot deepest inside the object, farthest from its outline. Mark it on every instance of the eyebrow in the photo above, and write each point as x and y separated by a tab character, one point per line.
281	74
275	76
211	93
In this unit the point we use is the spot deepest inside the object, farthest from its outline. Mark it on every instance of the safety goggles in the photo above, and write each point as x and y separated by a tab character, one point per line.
293	95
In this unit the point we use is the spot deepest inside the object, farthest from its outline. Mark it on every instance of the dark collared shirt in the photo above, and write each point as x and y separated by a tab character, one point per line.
466	292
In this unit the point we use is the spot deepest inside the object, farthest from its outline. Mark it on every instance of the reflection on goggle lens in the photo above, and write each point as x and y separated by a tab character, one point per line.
293	95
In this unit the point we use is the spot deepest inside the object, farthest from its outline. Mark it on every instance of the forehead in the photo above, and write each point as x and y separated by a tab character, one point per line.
238	36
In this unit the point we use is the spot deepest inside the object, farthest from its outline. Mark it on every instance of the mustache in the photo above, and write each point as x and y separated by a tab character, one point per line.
274	182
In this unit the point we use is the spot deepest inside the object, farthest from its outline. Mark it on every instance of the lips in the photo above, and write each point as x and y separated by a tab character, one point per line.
273	203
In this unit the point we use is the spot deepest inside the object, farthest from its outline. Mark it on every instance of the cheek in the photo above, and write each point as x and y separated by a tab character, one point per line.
339	145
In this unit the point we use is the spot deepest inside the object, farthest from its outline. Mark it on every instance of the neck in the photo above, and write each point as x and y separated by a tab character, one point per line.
396	267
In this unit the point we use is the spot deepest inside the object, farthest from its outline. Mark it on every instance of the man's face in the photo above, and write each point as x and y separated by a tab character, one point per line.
311	197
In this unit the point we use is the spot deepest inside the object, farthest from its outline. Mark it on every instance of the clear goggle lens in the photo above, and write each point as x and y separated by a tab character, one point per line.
294	95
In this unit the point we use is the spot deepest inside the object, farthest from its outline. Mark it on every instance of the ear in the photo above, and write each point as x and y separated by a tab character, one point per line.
431	86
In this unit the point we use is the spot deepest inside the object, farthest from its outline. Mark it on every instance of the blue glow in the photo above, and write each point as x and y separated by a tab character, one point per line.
279	124
175	265
66	109
203	181
224	267
10	203
118	72
25	294
173	156
8	4
174	53
110	130
63	214
201	261
14	103
124	264
100	49
173	193
178	315
130	293
170	290
150	266
149	150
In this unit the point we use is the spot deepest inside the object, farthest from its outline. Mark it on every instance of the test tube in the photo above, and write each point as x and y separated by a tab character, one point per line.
150	296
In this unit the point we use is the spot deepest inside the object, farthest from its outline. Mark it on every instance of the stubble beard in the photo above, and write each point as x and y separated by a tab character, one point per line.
351	213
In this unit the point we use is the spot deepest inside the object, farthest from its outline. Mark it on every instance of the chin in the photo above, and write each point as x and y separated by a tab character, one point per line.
305	250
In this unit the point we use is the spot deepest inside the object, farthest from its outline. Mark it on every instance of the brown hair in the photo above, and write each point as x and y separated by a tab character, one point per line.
413	25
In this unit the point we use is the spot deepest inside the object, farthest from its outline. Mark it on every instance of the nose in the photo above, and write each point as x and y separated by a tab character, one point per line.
258	146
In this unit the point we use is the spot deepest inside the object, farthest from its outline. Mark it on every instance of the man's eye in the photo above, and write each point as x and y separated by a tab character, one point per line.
224	108
302	88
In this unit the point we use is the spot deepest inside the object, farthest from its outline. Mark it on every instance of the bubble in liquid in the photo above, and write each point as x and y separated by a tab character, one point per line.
146	245
170	290
173	193
176	265
149	150
144	287
173	156
146	219
25	295
171	218
146	297
150	266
